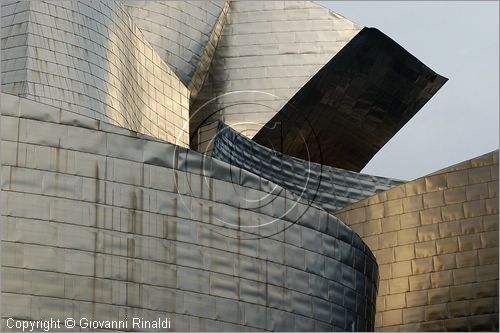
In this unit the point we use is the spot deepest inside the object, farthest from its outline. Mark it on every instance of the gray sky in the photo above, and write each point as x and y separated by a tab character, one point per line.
458	40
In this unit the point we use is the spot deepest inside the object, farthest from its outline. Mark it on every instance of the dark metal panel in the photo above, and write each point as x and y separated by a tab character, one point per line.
353	105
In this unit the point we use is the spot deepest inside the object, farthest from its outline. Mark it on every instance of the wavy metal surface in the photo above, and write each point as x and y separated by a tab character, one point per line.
353	105
268	50
89	57
98	221
436	243
327	187
184	34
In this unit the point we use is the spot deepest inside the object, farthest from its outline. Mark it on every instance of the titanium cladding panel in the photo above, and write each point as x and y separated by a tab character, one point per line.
89	57
111	222
355	103
267	51
98	221
184	33
436	243
326	187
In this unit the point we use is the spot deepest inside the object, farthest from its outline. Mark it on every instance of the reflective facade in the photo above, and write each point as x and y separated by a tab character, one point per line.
113	208
353	105
324	186
104	223
267	51
184	33
89	57
436	243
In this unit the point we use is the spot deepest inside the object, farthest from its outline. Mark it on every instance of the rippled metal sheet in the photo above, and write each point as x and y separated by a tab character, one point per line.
353	105
327	187
125	225
89	57
436	242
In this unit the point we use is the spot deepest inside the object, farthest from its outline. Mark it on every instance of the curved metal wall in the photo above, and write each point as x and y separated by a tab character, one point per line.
89	57
268	50
436	243
327	187
101	222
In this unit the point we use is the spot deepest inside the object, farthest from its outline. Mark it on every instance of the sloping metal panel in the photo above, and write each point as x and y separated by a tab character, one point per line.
267	51
353	105
183	33
90	57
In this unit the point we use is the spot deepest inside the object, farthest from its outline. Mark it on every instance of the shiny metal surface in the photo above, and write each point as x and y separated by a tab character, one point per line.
102	216
353	105
103	222
436	243
327	187
90	57
183	33
268	50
